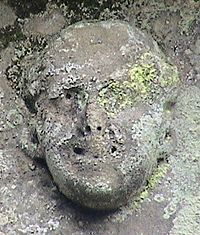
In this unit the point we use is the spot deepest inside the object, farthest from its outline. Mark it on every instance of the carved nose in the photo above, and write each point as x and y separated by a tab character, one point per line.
97	119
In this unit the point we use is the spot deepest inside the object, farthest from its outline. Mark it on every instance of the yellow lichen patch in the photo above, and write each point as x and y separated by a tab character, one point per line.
153	181
142	77
169	76
120	94
147	79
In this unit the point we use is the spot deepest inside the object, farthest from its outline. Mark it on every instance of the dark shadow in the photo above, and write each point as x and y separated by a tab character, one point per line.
23	8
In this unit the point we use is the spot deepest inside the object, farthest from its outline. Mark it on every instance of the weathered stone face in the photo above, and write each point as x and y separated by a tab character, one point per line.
99	90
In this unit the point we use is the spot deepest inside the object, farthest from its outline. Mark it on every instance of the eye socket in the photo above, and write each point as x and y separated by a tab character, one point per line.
99	128
68	96
169	105
78	150
113	149
88	129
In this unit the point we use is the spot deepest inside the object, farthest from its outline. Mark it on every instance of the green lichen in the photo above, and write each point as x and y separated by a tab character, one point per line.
153	181
120	94
157	176
14	118
136	202
142	77
189	16
145	81
10	34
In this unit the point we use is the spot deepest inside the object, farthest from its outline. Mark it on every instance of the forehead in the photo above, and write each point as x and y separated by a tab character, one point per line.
100	51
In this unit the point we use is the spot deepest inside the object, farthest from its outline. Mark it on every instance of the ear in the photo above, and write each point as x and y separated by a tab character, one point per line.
29	143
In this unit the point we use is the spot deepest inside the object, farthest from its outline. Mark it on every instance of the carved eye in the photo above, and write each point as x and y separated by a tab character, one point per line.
99	128
88	129
78	150
68	96
113	149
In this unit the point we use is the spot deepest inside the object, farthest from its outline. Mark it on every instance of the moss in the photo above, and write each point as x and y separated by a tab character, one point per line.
153	181
23	8
10	34
145	81
189	17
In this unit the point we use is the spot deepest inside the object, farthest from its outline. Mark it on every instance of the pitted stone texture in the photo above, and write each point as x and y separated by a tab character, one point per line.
99	154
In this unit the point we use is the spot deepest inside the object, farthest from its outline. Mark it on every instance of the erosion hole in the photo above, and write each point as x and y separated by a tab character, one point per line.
113	149
88	129
169	105
68	96
79	150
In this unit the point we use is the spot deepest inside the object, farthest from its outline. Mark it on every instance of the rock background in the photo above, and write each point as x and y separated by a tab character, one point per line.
29	201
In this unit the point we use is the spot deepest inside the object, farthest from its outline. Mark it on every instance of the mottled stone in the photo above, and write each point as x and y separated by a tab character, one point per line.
98	92
7	15
47	23
185	164
197	46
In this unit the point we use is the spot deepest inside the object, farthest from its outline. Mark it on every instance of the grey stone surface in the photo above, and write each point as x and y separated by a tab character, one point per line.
7	15
81	86
30	202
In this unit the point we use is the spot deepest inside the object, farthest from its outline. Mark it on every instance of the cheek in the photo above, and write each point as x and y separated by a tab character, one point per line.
57	128
64	105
